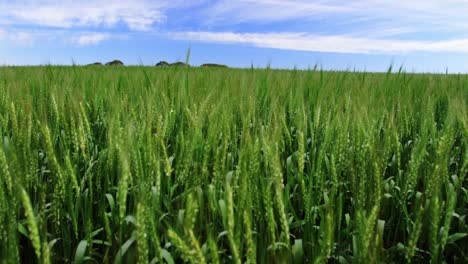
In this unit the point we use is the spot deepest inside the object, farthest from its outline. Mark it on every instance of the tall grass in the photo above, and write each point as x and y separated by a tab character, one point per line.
137	164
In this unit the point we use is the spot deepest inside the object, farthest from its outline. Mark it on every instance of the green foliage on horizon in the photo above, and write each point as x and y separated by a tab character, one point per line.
165	165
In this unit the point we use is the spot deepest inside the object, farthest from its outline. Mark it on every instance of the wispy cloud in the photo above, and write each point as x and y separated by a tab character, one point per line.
64	37
338	26
86	39
358	26
23	38
358	18
414	15
17	37
135	14
271	10
337	44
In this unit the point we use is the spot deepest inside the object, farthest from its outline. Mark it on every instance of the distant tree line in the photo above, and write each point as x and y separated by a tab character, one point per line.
160	64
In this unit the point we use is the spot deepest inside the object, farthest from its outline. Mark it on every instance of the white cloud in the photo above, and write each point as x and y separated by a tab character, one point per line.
337	44
17	37
414	15
270	10
78	38
358	26
136	14
23	38
86	39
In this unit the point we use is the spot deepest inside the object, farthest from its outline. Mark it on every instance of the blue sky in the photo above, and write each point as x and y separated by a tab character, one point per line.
423	35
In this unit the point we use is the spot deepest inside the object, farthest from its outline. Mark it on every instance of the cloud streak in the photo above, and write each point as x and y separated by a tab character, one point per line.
317	43
63	37
338	26
139	15
19	38
87	39
419	15
265	11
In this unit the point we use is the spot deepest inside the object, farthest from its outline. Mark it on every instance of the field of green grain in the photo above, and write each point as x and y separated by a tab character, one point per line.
173	165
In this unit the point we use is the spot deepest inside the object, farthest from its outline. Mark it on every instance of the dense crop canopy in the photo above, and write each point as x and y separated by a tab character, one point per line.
135	164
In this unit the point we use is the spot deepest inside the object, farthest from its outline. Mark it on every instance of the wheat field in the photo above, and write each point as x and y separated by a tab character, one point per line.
173	165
